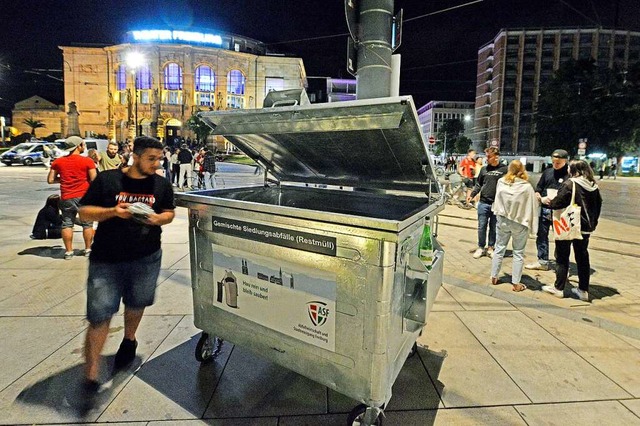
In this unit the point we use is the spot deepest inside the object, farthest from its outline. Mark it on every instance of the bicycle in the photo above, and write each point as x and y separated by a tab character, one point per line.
456	191
199	181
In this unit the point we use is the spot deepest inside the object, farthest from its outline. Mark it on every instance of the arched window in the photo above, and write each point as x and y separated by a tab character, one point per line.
205	81
144	84
120	96
172	91
235	89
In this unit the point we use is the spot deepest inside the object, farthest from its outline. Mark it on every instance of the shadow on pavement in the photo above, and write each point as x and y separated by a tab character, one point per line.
180	378
64	393
597	291
213	389
55	252
433	362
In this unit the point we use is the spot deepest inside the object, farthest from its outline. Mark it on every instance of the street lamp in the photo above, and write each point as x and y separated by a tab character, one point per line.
135	60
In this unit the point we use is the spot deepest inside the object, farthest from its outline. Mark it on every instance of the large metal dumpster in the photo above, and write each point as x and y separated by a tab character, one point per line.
318	269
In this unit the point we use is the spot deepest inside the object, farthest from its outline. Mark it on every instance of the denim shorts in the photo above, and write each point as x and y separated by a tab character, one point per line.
133	281
69	209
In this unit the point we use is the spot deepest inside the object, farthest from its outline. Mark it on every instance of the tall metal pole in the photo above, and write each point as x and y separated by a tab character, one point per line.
135	87
374	49
445	147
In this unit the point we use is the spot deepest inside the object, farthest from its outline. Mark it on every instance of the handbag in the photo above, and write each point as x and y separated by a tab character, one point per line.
566	223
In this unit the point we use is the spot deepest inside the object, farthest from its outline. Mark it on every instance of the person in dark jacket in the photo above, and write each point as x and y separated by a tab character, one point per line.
551	179
486	187
209	169
48	223
185	157
590	201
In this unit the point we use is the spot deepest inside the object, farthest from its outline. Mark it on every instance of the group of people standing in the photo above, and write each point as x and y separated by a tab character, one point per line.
72	168
182	162
509	209
469	169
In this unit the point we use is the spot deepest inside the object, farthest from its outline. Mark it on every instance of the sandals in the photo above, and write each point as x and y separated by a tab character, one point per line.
519	287
516	287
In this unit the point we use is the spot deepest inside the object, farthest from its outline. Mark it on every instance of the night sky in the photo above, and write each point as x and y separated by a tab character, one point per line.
439	52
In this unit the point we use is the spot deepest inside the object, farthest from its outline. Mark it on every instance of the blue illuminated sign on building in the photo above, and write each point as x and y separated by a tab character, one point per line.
175	35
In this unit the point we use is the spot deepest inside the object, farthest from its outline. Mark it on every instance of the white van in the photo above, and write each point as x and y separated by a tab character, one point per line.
99	145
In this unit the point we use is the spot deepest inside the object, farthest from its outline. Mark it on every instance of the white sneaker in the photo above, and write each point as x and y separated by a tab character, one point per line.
582	295
478	253
537	266
490	252
554	291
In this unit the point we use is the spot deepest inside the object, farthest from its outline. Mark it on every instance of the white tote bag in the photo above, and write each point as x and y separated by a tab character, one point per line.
566	223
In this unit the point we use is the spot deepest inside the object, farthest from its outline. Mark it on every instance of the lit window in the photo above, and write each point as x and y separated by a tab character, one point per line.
121	78
121	85
173	77
235	82
145	96
172	97
172	93
235	89
205	86
273	83
144	77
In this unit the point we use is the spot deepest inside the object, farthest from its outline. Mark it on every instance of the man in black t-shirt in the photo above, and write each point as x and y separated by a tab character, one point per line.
486	187
125	259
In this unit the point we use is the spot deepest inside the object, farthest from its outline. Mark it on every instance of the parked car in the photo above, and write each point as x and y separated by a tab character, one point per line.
27	153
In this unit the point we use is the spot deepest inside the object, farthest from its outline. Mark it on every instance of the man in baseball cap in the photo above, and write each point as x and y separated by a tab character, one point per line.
560	154
548	185
73	142
74	173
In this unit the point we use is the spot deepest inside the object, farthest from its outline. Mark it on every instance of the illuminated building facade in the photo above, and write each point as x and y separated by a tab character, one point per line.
178	73
434	114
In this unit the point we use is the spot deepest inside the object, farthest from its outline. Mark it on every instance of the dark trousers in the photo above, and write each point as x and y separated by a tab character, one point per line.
175	172
581	255
542	239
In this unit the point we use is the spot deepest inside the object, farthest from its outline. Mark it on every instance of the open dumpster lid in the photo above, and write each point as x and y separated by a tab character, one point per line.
373	144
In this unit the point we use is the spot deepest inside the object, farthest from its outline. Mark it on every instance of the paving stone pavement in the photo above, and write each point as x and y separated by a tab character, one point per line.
487	355
615	262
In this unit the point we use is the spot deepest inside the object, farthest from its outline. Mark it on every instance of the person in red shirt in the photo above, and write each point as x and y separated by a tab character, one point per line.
467	168
73	172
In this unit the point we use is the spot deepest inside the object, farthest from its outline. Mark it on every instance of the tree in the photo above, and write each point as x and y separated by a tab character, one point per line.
451	131
584	100
34	124
462	144
199	127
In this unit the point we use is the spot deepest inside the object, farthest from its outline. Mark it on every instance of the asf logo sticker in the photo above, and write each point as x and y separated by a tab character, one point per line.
318	312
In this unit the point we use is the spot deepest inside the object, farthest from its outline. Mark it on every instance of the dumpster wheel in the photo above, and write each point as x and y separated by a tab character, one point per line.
208	348
356	416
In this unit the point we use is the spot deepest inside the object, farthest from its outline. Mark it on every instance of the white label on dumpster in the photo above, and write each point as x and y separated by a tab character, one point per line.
286	297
